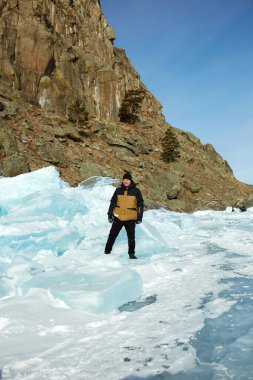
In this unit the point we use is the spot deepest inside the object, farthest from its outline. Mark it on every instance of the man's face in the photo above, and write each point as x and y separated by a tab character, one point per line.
126	182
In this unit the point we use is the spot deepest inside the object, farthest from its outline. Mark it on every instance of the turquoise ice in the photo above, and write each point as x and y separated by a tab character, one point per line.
183	310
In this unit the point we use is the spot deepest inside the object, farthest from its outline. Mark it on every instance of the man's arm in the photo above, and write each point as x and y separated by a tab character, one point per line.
113	204
140	205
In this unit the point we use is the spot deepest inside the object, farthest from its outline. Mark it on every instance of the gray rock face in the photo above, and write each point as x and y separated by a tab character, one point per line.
10	110
249	201
162	186
191	186
8	143
90	169
14	165
53	154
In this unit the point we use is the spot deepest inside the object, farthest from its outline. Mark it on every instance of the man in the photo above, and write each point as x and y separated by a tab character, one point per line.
125	210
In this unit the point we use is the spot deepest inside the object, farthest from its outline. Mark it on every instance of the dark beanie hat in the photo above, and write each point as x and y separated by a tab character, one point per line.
127	176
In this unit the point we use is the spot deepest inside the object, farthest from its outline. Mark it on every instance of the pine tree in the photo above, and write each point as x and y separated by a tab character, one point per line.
131	105
170	145
77	112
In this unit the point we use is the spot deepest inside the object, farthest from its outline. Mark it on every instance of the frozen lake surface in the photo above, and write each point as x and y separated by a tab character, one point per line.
183	311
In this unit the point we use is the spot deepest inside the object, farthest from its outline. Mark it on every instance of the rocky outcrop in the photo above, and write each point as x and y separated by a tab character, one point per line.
58	51
62	85
14	165
8	145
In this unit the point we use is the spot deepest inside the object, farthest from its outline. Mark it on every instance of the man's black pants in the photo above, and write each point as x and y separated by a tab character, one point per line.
115	230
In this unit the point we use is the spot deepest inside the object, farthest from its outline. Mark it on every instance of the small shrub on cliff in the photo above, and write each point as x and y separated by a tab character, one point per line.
77	112
170	145
131	105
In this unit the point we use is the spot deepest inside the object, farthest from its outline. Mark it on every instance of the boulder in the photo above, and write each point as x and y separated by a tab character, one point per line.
90	169
52	153
8	144
10	110
14	165
191	186
162	185
249	201
119	144
193	139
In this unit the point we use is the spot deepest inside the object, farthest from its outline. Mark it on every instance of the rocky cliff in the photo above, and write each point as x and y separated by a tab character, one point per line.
62	85
58	51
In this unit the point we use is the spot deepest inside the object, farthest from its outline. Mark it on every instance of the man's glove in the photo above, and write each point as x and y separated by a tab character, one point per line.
138	221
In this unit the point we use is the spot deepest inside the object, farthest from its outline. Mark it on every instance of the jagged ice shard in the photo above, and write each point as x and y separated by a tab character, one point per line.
184	310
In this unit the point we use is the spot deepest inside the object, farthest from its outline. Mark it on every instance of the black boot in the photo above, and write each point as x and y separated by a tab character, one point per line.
132	256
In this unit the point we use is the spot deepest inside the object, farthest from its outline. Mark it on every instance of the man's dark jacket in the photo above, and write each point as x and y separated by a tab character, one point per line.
132	190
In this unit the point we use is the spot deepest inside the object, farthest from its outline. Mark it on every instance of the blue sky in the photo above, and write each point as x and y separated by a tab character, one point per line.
196	57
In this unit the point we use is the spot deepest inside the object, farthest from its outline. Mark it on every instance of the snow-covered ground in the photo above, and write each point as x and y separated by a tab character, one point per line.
184	310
